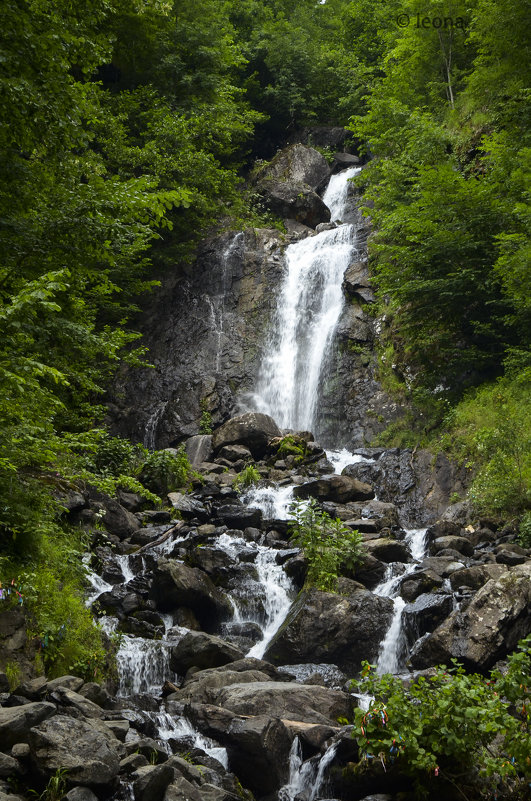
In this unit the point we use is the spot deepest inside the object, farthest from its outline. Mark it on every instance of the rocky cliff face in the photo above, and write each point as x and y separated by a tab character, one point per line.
206	330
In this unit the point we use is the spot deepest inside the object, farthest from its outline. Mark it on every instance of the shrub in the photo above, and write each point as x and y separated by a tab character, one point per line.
248	477
450	727
328	544
167	470
524	533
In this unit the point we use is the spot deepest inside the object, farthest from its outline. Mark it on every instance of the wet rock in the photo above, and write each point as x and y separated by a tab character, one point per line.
509	557
80	794
441	565
150	782
418	583
239	517
119	728
340	489
252	429
199	449
384	515
203	687
487	629
86	751
476	576
297	163
147	747
9	767
188	506
388	550
118	520
325	627
176	584
197	649
133	762
442	528
427	611
370	571
33	689
258	753
459	544
16	722
308	703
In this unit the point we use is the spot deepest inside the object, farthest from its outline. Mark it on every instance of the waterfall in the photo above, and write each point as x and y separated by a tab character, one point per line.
150	434
306	779
308	310
393	646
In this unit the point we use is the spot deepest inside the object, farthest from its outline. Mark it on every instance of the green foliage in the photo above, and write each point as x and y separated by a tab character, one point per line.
448	726
491	429
328	545
524	530
56	787
167	470
248	477
205	425
13	673
291	445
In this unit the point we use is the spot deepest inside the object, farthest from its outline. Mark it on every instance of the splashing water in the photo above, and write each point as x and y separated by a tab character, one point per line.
309	306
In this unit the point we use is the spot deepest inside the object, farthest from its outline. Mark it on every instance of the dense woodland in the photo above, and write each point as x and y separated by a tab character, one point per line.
128	129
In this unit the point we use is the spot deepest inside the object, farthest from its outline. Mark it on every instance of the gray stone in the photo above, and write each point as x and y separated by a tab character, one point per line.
118	520
81	794
325	627
296	164
119	728
181	790
73	683
308	703
150	782
485	631
388	550
340	489
258	752
203	687
197	649
199	449
132	762
459	544
82	747
252	429
476	576
9	767
176	584
16	722
97	694
239	517
78	702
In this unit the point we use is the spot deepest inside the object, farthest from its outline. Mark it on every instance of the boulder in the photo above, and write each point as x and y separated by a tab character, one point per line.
451	542
258	753
476	576
340	489
200	650
150	782
203	687
417	583
88	751
118	520
485	631
235	452
188	506
176	584
16	721
325	627
297	164
370	571
9	767
425	614
388	550
77	702
81	794
73	683
252	429
182	790
239	516
199	449
307	703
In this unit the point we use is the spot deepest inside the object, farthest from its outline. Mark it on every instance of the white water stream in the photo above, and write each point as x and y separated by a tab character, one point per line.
308	311
393	646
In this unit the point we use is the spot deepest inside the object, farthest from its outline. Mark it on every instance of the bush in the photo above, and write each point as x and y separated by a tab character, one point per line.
524	533
167	470
248	477
328	545
451	727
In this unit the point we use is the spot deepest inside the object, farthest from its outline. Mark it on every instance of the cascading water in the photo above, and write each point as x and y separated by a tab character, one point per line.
393	647
308	311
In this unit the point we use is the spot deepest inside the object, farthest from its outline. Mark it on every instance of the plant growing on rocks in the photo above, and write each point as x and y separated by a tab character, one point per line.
451	728
248	477
164	471
327	544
